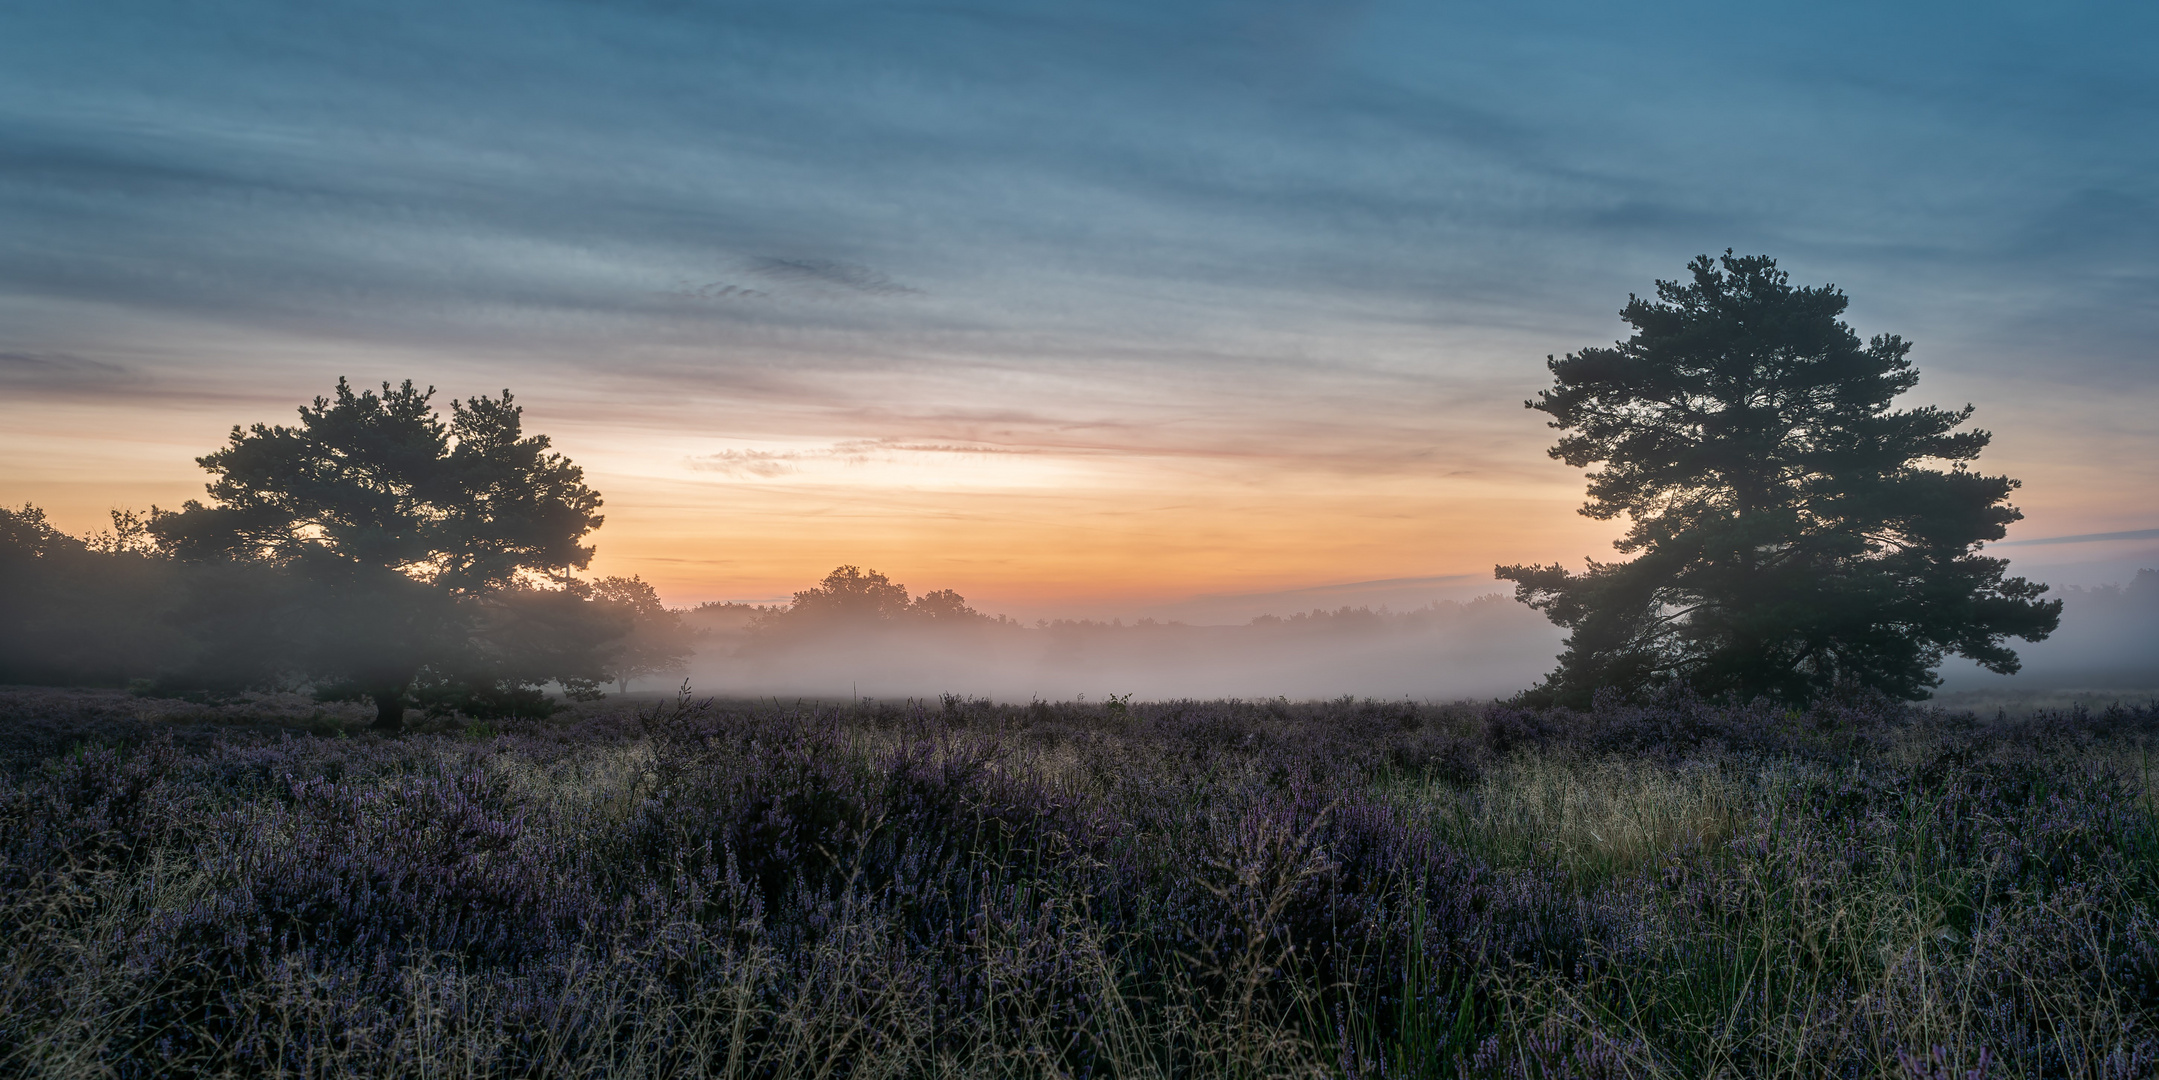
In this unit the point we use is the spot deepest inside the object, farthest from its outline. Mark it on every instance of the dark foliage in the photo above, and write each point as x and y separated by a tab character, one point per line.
1789	540
851	599
73	611
413	546
114	611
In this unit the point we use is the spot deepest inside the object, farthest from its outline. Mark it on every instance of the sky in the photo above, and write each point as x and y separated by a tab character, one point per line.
1078	308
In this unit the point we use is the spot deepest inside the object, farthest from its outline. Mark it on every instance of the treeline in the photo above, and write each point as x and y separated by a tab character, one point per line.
378	549
120	608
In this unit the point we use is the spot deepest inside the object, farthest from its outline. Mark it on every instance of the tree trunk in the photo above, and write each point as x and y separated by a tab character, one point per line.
389	708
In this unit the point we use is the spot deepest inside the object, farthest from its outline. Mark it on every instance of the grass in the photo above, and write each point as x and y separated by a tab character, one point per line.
1167	889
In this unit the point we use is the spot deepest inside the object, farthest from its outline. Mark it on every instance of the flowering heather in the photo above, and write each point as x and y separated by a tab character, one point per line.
1363	889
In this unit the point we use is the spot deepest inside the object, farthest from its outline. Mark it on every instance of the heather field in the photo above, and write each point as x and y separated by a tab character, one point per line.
961	888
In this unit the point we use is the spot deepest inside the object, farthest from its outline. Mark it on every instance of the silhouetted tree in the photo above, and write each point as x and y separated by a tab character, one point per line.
26	533
400	523
1789	538
849	595
853	599
943	605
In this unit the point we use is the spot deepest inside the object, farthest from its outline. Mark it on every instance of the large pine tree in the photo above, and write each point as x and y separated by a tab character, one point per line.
1790	538
418	540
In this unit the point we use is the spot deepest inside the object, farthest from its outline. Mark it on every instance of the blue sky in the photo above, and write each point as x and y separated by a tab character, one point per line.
762	264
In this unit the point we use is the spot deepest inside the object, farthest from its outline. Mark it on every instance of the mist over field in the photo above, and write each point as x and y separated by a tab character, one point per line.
1485	647
2108	640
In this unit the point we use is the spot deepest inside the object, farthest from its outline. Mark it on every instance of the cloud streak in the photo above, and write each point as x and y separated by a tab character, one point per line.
830	272
772	464
2086	538
61	372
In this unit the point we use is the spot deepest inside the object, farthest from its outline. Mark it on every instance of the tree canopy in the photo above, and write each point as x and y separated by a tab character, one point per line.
379	482
1789	536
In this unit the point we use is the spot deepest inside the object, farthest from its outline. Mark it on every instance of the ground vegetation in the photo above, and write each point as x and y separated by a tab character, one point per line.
1132	889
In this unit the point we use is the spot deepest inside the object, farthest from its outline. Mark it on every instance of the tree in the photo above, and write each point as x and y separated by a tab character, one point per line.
407	527
1790	539
656	641
25	533
944	606
848	596
851	599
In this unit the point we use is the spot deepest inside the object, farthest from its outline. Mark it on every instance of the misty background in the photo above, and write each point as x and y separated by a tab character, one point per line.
109	610
1466	639
1485	647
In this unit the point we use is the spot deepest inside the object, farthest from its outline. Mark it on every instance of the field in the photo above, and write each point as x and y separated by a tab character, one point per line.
960	888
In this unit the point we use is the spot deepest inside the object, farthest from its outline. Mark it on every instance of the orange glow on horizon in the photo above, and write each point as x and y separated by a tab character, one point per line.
1025	523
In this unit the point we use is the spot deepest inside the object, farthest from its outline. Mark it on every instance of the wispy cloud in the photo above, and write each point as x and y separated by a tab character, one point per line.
830	272
1127	176
758	463
57	371
714	291
766	464
2083	538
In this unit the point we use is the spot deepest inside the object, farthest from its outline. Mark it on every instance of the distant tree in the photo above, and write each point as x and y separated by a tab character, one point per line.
1790	538
656	642
851	598
943	605
129	535
406	529
849	594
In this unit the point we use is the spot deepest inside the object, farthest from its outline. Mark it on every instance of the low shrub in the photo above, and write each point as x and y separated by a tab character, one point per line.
1343	888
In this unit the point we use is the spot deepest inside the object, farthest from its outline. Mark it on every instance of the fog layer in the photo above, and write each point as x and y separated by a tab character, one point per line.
1482	648
2109	639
